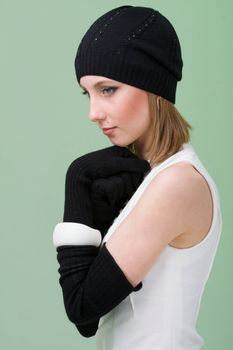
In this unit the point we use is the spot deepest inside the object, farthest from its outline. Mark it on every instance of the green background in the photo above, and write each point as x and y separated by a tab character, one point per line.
44	126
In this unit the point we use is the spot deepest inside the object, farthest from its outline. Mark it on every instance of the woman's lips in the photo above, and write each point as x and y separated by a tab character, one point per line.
108	131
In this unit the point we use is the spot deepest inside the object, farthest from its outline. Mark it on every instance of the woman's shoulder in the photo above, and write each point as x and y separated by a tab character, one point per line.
186	178
193	191
174	192
182	168
181	174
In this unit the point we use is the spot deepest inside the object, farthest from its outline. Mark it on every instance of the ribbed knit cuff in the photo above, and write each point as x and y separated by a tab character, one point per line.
72	233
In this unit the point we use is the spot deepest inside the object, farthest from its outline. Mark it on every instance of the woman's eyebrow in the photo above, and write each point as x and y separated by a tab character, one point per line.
99	83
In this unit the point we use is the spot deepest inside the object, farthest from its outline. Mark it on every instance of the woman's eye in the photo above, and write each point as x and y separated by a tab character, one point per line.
109	90
84	92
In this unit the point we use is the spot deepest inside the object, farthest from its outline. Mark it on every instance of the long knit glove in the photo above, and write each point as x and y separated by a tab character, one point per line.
97	187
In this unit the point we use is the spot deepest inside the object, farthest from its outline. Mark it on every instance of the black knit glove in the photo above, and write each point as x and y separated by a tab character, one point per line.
98	185
75	262
92	283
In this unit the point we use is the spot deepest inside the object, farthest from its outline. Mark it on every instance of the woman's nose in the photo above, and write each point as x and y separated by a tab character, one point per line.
96	113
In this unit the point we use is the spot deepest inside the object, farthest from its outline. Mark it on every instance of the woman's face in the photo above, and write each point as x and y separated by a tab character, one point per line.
121	107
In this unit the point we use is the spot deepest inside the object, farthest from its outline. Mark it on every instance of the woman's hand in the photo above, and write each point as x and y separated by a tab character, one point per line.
98	185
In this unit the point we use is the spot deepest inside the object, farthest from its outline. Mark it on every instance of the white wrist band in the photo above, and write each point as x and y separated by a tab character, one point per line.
73	233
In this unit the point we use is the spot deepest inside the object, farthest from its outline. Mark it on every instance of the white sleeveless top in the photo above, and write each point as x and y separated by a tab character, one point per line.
162	315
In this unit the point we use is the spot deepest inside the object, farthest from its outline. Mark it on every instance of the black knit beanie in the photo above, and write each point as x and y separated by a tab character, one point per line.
134	45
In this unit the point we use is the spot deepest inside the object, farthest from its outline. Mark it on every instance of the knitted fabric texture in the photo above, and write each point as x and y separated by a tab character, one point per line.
99	183
134	45
92	284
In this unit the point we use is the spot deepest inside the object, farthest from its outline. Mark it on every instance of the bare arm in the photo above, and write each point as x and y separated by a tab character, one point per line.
165	210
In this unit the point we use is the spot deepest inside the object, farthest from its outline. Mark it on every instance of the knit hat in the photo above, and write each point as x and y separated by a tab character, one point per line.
134	45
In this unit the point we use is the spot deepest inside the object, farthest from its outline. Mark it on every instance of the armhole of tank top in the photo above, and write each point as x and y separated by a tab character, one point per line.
208	180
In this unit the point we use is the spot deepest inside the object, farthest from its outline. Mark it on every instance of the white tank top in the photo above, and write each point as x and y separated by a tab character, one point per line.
162	315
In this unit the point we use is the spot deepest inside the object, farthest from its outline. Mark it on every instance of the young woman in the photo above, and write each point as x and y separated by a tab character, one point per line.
142	218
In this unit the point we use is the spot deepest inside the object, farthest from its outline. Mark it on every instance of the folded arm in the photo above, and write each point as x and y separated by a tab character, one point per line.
95	279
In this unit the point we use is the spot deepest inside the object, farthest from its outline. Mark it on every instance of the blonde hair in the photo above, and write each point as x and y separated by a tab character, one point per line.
169	130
